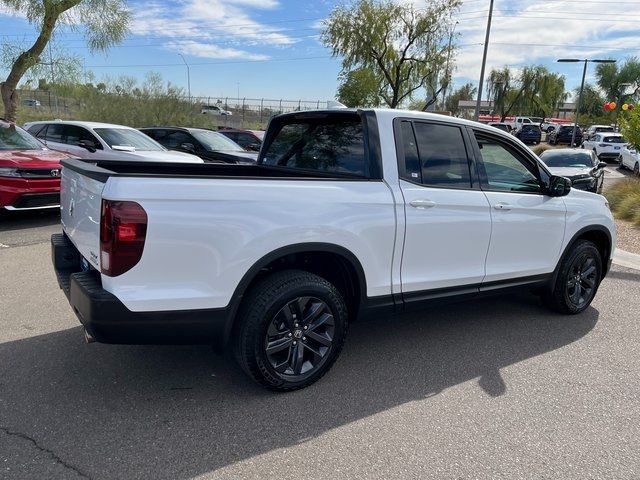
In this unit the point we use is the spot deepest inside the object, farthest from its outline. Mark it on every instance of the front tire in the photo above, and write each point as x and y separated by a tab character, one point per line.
578	279
292	328
636	169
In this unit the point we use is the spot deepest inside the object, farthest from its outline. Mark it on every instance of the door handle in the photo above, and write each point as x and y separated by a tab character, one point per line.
422	204
502	206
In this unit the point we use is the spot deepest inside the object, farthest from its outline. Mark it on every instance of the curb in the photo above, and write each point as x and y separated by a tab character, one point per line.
626	259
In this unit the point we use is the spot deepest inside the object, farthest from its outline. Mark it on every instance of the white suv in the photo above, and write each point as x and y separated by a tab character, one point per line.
103	141
215	110
630	158
606	145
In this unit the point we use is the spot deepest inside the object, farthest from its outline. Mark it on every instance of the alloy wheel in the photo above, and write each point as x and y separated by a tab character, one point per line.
582	279
299	338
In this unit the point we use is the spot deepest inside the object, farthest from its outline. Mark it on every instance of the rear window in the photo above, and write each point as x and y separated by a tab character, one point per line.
531	128
333	144
569	129
613	140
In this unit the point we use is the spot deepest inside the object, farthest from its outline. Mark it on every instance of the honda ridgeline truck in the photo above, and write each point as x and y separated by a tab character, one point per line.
348	214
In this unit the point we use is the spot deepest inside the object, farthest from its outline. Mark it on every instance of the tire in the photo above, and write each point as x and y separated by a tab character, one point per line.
568	295
301	353
636	169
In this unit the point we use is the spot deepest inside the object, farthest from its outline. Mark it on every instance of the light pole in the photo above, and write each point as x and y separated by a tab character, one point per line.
188	78
484	62
584	74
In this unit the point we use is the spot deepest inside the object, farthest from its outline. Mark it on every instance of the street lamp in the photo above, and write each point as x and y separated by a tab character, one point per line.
584	74
484	61
188	78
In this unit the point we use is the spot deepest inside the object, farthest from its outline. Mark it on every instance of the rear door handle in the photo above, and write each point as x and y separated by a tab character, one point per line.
422	204
502	206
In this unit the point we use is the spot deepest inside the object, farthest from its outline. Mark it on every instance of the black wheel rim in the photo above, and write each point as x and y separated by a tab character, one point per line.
636	169
300	337
582	279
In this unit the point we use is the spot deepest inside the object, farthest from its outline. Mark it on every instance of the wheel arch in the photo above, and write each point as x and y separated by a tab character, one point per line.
330	261
600	236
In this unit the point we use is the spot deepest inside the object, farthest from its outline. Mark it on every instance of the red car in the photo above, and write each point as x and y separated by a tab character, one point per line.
29	172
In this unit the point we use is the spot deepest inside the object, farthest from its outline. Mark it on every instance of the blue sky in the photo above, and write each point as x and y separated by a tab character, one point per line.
269	48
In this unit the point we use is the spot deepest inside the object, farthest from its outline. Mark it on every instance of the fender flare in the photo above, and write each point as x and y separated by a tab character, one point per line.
270	257
567	249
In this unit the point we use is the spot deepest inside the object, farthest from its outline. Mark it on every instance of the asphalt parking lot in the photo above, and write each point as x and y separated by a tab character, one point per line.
498	388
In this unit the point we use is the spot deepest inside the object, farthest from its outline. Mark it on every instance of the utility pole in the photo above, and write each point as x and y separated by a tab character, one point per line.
584	75
484	62
188	78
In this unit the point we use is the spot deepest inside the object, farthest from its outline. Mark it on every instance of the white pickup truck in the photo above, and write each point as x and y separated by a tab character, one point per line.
347	214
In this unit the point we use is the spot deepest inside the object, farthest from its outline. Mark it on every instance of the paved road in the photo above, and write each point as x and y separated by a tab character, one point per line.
494	389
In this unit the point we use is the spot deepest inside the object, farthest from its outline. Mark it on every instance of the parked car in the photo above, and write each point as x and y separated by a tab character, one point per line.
505	127
517	122
548	126
208	145
593	129
104	141
606	145
348	214
250	140
215	110
629	158
529	134
31	102
29	172
563	134
582	167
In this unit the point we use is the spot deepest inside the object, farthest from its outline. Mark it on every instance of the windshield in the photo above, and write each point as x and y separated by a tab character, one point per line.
562	159
216	142
128	138
616	139
13	137
570	129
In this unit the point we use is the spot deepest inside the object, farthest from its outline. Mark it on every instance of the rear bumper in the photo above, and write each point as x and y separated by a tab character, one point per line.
609	155
107	320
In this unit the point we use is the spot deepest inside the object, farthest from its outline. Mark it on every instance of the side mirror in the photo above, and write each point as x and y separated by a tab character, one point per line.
558	186
601	165
189	147
88	144
254	147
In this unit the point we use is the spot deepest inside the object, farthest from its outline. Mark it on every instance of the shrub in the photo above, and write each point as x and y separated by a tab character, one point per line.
541	147
624	198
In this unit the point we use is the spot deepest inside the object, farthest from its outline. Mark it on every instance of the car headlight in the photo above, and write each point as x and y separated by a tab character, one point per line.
9	172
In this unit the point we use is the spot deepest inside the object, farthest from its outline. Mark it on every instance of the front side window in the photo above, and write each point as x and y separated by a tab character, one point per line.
73	135
176	138
327	144
443	156
505	168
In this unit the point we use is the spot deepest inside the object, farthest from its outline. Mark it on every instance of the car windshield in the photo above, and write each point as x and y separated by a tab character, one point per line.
567	159
612	139
13	137
569	129
216	142
128	138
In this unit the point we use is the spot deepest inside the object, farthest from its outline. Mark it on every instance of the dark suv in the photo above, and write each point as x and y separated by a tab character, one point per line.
529	134
208	145
563	135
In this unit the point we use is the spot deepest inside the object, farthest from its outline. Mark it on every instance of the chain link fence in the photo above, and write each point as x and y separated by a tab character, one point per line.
220	112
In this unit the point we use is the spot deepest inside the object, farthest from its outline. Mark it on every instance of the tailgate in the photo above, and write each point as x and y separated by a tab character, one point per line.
80	204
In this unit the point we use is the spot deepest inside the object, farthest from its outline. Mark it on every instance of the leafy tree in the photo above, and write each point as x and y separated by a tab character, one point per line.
401	45
359	88
465	92
630	127
105	23
611	76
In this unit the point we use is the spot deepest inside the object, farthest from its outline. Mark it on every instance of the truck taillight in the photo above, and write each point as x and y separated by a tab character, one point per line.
123	229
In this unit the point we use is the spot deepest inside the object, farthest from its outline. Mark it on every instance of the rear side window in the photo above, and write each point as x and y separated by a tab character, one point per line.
443	156
332	144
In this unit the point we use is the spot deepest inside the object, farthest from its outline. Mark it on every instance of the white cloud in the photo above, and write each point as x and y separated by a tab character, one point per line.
519	37
210	28
208	50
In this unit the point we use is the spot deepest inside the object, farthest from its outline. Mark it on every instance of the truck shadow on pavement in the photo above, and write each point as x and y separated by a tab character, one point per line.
178	412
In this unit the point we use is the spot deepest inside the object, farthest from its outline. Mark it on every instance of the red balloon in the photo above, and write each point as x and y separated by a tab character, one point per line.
631	106
606	106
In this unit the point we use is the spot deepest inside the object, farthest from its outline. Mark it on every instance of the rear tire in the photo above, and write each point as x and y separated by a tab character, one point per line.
292	328
578	279
636	169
